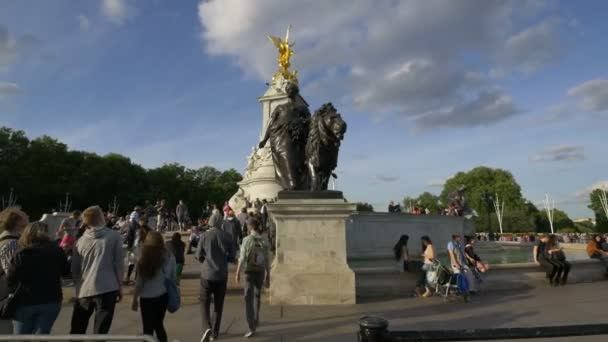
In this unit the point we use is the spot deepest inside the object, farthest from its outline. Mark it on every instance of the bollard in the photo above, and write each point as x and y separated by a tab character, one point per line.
372	329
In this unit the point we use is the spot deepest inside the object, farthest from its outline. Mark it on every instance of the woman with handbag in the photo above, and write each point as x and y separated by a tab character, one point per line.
34	280
156	269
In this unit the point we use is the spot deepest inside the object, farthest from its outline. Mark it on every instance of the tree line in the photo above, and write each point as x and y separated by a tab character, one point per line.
520	215
40	172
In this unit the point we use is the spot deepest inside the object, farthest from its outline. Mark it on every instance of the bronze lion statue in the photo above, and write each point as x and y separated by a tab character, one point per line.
327	130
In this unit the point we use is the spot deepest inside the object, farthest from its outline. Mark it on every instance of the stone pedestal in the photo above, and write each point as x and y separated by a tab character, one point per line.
310	266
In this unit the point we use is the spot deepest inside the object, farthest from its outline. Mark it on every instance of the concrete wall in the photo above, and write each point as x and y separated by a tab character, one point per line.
372	235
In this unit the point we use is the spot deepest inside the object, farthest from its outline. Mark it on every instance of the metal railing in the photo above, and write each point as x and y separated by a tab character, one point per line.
125	338
375	329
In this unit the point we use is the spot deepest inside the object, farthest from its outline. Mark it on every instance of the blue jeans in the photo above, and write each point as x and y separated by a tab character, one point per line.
35	319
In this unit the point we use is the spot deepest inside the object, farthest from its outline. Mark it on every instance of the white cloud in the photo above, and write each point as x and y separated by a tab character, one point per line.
386	56
437	183
13	47
8	89
84	23
488	107
117	11
8	49
584	193
387	179
534	47
562	153
594	94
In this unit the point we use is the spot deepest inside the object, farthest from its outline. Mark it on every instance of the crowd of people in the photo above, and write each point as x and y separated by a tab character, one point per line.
92	250
419	210
581	238
547	254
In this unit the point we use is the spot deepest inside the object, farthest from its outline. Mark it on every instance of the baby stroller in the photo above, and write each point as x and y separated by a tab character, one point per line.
448	283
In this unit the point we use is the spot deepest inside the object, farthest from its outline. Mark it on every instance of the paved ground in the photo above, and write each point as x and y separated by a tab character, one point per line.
575	304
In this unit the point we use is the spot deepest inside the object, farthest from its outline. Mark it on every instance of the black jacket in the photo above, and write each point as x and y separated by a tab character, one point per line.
38	269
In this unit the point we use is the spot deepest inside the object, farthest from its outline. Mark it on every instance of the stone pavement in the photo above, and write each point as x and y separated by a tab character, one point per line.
574	304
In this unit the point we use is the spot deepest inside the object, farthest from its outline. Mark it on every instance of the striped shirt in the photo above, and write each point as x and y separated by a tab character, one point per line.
8	249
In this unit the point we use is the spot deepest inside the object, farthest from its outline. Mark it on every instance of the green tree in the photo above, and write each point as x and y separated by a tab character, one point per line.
43	170
482	180
427	200
601	222
365	207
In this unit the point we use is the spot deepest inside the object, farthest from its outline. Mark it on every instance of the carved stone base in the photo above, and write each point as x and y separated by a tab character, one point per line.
310	266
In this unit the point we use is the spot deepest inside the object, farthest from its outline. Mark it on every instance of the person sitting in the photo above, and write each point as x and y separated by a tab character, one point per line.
401	253
594	250
473	260
541	258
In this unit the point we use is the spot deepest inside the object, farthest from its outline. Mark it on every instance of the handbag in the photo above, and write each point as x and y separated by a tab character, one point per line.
173	294
8	304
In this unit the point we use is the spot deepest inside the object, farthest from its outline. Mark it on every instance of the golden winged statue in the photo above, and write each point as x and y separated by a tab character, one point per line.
285	53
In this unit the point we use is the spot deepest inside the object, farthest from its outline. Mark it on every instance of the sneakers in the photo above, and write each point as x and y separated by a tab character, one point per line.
207	335
249	334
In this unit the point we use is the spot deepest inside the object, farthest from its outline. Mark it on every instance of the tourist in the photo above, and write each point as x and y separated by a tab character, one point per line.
459	263
595	251
243	217
401	253
257	205
429	255
473	260
149	213
194	238
214	252
558	257
163	220
254	261
135	215
541	258
67	231
232	226
135	251
12	222
97	268
178	249
264	214
155	266
226	209
181	212
35	279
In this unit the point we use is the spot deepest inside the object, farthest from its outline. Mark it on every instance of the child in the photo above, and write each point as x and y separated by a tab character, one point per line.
178	248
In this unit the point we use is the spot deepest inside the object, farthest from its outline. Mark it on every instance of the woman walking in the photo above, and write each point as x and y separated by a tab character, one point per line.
155	265
429	255
401	253
35	278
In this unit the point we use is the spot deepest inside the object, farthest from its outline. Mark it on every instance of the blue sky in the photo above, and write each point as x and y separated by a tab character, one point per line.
429	88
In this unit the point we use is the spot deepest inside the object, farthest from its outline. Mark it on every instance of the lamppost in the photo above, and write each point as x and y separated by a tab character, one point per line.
489	201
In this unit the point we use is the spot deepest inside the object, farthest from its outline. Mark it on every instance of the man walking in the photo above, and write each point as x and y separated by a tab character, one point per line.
97	267
181	212
232	226
254	260
214	251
